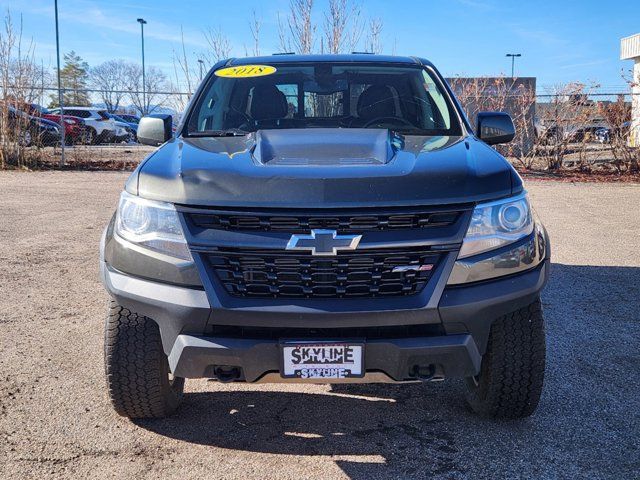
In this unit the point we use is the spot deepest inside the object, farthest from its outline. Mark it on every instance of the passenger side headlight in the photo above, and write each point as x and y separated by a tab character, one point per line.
151	224
496	224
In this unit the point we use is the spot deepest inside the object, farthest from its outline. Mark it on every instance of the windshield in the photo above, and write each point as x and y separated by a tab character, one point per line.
406	98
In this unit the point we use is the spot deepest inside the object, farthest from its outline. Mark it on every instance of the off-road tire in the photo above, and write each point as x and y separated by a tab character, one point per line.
136	366
512	373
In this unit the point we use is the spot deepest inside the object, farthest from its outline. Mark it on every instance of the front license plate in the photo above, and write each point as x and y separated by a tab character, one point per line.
322	360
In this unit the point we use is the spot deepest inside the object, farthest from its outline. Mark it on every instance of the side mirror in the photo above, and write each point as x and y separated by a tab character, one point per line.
495	127
154	130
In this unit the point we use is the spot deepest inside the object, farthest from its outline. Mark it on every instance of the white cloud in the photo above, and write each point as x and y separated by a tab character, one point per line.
87	13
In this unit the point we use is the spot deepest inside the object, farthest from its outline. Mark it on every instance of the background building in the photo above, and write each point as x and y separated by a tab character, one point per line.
630	50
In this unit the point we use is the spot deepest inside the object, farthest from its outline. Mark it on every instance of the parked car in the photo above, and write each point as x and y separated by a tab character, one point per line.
605	134
565	133
129	118
75	128
101	128
30	130
130	127
328	218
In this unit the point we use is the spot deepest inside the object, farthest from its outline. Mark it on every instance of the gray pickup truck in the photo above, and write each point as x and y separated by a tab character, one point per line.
325	219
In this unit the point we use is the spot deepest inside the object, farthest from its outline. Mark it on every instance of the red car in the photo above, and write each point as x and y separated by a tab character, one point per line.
75	130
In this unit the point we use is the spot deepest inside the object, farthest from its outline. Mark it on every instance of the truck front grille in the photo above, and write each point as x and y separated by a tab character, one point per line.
367	273
356	222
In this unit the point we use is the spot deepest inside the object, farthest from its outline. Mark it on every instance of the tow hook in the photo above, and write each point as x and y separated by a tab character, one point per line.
426	373
226	373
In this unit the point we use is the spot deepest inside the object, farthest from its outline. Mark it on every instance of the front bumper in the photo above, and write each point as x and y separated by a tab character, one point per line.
466	313
398	359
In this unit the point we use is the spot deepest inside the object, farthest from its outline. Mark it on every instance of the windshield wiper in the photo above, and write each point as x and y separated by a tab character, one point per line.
230	132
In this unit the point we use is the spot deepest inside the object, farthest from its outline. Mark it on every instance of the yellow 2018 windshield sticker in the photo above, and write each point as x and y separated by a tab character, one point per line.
246	71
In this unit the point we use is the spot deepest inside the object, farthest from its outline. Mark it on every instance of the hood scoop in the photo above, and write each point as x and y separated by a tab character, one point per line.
324	147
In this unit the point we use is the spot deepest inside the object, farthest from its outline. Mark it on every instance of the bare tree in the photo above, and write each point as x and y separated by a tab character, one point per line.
186	74
297	32
373	40
110	78
183	76
19	78
254	25
219	46
284	41
618	116
342	26
502	94
182	69
156	88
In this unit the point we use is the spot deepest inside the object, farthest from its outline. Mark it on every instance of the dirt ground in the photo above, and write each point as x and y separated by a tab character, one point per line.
56	422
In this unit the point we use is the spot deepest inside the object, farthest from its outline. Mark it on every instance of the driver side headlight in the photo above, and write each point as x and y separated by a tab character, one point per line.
151	224
496	224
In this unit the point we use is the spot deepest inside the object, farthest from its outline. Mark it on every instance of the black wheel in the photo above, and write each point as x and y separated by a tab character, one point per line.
93	137
512	373
138	378
25	139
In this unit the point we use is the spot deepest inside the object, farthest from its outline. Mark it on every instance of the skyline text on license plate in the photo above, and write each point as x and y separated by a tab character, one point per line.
322	360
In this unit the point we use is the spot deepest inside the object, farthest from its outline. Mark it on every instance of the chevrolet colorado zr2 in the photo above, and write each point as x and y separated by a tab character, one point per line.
325	219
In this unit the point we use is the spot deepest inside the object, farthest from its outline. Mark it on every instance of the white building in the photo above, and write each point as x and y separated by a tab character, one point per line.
630	50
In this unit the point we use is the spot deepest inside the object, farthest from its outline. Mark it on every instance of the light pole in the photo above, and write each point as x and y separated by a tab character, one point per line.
513	60
142	23
62	133
201	62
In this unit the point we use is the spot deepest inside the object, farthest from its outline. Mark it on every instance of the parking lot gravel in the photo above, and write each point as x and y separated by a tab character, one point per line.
56	422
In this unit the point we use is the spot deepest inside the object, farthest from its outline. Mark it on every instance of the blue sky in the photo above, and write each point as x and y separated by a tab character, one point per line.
560	41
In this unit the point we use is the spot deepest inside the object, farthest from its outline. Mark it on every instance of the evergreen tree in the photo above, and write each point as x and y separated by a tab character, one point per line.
74	78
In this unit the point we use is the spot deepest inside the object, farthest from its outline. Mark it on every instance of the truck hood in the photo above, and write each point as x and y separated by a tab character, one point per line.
324	168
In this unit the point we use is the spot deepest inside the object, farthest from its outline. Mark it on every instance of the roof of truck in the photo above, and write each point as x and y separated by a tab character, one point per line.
341	58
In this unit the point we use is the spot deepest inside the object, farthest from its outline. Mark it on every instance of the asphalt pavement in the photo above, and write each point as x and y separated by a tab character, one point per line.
56	422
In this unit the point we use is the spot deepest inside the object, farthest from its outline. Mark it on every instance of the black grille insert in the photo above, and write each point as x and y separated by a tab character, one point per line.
344	222
367	273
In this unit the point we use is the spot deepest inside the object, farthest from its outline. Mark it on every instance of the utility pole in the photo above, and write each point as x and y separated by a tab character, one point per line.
142	23
201	62
60	96
513	61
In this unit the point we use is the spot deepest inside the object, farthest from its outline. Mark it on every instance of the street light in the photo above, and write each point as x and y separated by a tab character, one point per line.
513	60
201	62
142	23
62	129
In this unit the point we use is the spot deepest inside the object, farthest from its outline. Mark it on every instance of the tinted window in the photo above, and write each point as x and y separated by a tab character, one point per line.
408	99
75	113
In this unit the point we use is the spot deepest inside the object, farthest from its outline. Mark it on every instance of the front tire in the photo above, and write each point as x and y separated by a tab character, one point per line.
137	369
512	372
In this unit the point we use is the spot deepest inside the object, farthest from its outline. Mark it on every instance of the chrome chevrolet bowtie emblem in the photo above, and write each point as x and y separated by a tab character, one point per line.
323	242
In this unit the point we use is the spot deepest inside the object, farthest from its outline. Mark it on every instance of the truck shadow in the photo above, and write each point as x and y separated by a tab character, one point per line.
386	423
418	430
